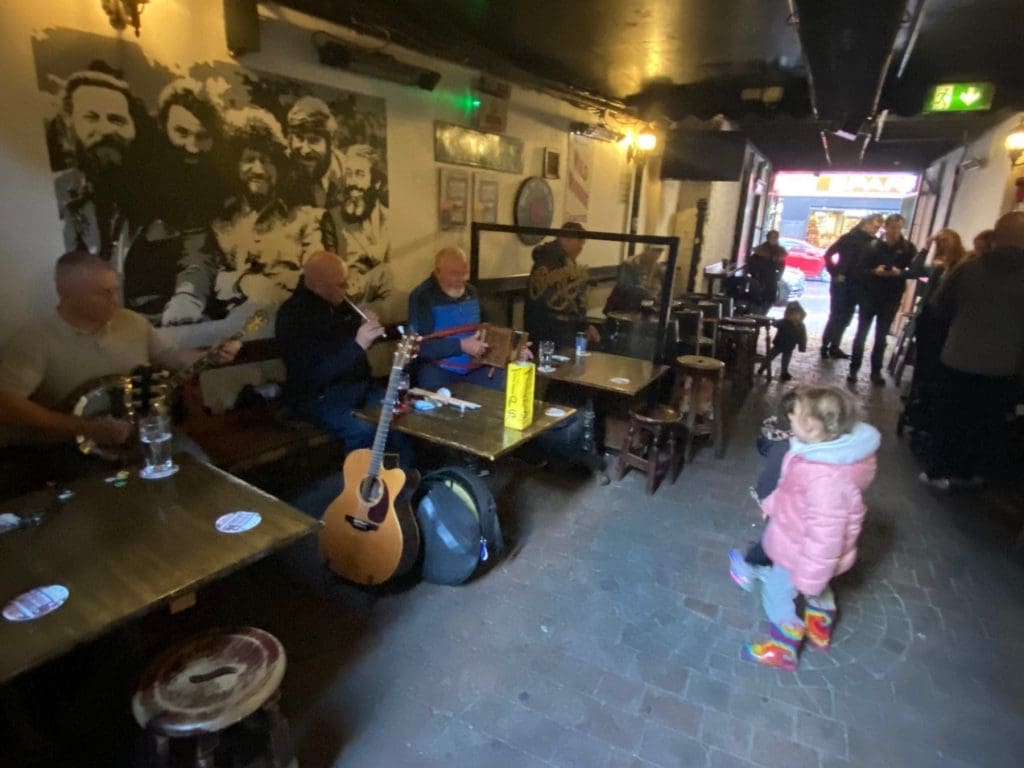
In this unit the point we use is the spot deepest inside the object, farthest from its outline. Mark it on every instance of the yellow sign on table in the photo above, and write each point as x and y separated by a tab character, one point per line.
519	395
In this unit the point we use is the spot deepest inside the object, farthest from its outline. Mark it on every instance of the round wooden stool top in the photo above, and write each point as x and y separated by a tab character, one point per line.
209	682
700	363
740	323
761	320
656	415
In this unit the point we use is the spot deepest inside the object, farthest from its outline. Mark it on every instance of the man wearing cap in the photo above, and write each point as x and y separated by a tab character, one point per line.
316	165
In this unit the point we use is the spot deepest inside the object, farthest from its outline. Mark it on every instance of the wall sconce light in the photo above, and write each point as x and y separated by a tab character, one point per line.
646	141
1015	144
123	13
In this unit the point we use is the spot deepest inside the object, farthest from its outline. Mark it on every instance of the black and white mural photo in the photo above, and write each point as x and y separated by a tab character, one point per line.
207	184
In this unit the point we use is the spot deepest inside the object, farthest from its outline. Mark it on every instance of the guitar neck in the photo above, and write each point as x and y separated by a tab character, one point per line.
387	412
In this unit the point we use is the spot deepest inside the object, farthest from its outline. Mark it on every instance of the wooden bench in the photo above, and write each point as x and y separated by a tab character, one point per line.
258	443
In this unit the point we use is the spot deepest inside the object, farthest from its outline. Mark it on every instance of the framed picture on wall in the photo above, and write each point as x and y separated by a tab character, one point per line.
453	198
485	198
552	164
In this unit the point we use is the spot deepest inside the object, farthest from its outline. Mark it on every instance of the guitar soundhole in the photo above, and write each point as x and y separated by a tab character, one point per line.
375	493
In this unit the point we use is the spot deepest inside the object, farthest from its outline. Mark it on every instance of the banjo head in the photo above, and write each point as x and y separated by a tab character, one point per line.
109	396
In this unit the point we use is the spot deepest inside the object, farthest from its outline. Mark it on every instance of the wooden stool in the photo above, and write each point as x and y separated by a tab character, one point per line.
206	684
696	369
763	322
650	445
737	343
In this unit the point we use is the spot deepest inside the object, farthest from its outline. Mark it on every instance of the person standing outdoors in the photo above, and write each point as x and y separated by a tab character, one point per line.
881	278
841	260
765	266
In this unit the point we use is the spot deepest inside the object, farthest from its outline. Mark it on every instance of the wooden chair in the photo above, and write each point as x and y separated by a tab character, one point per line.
651	445
199	688
692	338
692	370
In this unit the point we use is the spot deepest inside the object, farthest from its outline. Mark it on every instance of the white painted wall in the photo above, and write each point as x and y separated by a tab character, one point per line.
985	193
184	31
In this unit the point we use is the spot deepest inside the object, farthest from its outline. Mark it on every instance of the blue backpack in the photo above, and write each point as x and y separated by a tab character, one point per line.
459	526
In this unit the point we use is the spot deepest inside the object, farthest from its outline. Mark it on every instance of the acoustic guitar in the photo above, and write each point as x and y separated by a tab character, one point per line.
146	388
370	534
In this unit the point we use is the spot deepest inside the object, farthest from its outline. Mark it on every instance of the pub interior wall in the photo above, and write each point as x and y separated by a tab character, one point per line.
180	32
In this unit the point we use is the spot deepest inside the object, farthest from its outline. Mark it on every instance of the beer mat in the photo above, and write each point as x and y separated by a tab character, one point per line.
619	380
238	522
424	405
444	399
554	412
560	358
9	522
582	354
36	603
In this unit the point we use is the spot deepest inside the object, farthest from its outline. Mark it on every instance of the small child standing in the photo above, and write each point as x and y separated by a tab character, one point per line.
790	334
815	515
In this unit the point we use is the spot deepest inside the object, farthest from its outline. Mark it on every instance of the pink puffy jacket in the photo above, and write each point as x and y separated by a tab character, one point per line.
816	512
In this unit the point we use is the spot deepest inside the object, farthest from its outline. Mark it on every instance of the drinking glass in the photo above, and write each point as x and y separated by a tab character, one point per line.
547	349
155	435
402	393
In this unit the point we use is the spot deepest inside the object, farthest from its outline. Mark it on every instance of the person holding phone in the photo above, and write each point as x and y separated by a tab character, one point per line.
882	272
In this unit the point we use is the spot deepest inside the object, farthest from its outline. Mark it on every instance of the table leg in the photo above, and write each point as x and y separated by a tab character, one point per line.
592	447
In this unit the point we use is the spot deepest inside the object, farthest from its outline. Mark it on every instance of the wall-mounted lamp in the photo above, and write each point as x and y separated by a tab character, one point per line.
124	13
646	141
1015	144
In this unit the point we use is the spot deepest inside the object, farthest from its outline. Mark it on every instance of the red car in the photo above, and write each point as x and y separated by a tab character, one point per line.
809	259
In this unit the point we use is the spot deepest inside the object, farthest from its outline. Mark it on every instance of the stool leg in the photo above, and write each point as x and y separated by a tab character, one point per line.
652	460
691	418
206	746
279	741
626	448
719	433
673	459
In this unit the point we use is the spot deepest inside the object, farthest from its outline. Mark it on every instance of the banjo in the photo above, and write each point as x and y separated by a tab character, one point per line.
143	390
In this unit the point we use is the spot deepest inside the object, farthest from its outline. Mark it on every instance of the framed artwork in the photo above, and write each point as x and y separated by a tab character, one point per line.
453	198
485	198
464	146
552	164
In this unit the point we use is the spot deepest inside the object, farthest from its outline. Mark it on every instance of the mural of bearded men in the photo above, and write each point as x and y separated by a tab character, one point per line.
356	227
98	126
264	242
316	166
170	268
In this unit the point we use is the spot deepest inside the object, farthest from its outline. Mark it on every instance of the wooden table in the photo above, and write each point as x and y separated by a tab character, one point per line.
123	551
481	431
605	373
610	373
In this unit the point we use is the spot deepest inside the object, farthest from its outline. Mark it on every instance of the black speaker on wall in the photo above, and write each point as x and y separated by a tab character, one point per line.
241	26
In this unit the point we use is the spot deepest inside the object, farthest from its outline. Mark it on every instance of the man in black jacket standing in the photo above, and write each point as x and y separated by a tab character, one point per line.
842	291
323	344
881	278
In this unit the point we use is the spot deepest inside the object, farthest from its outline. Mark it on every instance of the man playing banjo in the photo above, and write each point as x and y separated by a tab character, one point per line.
89	336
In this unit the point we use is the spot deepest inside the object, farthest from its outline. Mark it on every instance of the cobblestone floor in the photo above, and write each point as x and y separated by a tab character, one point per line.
611	637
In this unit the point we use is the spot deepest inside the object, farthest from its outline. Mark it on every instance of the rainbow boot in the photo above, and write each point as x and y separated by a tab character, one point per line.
780	650
819	622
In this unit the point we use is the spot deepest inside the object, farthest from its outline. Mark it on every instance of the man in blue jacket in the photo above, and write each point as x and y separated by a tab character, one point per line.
444	301
323	344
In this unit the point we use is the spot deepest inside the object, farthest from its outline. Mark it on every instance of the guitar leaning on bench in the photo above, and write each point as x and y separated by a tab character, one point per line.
370	534
126	397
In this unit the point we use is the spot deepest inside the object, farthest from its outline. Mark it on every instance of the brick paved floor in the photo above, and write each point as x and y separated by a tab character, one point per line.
611	637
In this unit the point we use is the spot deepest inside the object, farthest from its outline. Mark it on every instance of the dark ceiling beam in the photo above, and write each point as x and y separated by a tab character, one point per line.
849	48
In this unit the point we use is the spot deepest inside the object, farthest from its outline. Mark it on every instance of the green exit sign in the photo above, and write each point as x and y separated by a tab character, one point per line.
959	97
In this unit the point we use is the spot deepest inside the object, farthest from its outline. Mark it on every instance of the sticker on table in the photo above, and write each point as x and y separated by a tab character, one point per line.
36	603
554	412
619	380
238	522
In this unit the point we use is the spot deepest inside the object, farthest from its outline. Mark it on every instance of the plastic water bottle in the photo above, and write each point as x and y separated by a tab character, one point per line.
581	344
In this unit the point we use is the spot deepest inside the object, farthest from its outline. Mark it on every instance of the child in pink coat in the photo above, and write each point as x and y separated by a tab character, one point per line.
815	515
